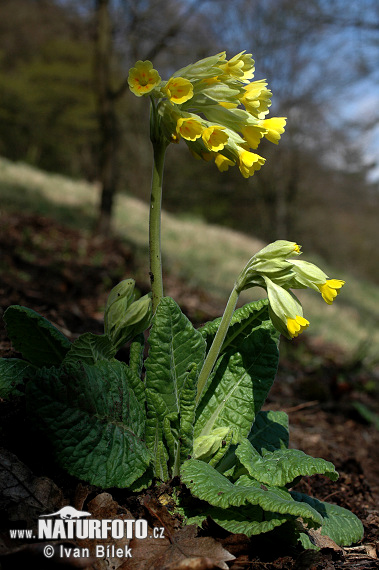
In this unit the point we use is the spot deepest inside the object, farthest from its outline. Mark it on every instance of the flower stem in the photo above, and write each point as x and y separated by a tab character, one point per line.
217	342
155	223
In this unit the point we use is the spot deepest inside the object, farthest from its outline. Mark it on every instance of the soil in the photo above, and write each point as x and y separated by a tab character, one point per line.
65	275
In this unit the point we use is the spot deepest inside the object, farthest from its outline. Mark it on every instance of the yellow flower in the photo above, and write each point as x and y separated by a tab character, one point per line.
143	78
215	138
190	129
241	66
256	98
330	289
249	162
253	134
223	163
202	104
275	128
179	90
297	325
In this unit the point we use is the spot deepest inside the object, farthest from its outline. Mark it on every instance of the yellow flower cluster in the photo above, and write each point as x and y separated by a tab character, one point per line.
277	269
214	107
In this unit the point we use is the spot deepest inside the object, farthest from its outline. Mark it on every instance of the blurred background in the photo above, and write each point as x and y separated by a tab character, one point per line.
65	109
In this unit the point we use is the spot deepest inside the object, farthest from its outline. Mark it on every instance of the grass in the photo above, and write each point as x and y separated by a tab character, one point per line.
206	256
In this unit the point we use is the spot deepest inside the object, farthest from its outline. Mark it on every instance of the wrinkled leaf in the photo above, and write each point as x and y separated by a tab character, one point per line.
249	519
209	485
270	431
243	322
339	524
38	340
239	385
282	466
175	347
94	421
13	372
89	348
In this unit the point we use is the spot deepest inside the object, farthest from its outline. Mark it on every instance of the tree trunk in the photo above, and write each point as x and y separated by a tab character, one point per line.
108	132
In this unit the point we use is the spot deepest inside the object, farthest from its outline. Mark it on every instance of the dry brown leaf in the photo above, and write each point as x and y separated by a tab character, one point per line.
323	541
103	506
161	554
22	495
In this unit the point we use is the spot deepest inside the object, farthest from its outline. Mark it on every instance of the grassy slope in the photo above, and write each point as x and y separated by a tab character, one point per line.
204	255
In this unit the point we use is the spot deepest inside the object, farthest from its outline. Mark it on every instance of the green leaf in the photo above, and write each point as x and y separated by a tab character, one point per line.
143	482
187	413
13	372
209	485
175	347
249	519
339	524
270	431
89	348
137	347
239	385
38	340
281	466
94	421
243	322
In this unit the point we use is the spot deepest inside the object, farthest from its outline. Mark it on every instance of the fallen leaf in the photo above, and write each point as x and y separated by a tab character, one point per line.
22	495
185	548
102	507
323	541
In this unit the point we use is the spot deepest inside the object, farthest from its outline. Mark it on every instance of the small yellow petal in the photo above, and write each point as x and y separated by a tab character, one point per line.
297	325
253	134
223	163
179	90
330	289
215	138
275	128
188	128
249	162
143	78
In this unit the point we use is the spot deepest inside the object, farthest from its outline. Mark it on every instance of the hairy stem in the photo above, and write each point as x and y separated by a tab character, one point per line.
155	223
217	342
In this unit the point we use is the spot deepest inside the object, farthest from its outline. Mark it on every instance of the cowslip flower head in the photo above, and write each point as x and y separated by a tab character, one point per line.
143	78
277	269
214	107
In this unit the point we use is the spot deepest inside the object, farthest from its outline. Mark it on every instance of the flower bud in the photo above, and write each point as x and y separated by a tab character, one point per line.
124	316
280	248
307	275
285	310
